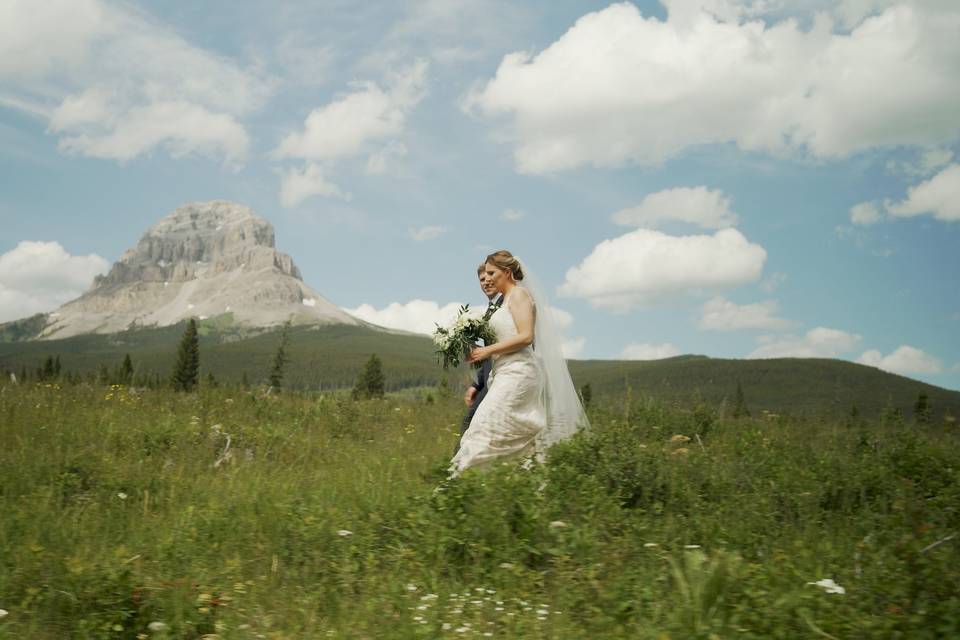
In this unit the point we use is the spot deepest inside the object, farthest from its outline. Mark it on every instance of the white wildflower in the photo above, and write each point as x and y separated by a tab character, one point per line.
691	546
344	533
122	495
156	625
3	613
829	586
411	587
650	545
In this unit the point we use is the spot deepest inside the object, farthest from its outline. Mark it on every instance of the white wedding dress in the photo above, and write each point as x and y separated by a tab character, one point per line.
514	411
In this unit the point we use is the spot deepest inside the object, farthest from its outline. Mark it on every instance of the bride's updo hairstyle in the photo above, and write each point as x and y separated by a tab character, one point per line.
505	260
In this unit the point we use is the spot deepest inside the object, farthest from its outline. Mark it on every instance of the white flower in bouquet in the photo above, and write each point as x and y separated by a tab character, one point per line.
456	341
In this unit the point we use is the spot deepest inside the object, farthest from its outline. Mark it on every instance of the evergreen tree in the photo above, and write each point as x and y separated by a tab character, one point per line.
211	381
23	373
126	370
186	371
586	395
56	367
48	367
740	409
891	415
244	382
275	379
370	384
922	411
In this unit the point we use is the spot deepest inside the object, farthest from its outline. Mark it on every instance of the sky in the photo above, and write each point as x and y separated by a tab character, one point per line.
772	178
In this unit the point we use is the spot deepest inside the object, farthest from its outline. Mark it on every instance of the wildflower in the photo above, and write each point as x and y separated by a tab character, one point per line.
650	545
679	438
558	524
429	596
681	451
122	495
156	625
691	546
542	612
344	533
3	613
446	626
410	587
829	586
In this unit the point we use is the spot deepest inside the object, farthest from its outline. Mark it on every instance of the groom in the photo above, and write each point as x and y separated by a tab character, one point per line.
476	391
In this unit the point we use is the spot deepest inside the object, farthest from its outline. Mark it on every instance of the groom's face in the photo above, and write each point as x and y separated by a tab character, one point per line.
487	285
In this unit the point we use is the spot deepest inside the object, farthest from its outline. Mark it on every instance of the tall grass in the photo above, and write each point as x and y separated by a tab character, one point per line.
234	514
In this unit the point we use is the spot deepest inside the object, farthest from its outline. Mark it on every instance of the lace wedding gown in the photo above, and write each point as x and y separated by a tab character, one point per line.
513	412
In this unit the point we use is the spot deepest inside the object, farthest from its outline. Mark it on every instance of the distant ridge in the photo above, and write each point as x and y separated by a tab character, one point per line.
331	356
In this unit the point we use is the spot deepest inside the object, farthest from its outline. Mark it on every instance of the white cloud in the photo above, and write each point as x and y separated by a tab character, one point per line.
573	347
772	282
618	88
182	128
925	164
40	276
720	314
382	160
904	360
708	208
430	232
418	316
350	124
644	265
512	215
298	185
563	320
864	213
647	351
119	84
820	342
450	32
939	196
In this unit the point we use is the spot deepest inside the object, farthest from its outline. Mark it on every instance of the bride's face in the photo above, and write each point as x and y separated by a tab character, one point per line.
499	278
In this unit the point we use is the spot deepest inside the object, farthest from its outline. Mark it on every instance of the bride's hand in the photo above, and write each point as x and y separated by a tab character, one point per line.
477	354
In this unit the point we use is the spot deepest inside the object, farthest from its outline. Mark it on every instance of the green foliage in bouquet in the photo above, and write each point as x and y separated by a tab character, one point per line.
456	341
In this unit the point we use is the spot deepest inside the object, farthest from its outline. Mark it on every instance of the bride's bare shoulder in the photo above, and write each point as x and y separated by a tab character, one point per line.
521	295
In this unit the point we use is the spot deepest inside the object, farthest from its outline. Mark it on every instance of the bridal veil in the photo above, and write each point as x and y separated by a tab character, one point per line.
565	414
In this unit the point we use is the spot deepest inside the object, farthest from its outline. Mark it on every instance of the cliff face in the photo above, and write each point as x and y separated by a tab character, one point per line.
204	259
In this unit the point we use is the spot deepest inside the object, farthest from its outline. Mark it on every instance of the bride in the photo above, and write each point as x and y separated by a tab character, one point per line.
531	402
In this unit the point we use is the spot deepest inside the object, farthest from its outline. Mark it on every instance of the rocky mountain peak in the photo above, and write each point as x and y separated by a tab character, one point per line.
198	239
204	259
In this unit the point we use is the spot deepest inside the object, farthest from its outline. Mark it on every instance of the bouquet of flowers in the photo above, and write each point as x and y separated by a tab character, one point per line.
456	341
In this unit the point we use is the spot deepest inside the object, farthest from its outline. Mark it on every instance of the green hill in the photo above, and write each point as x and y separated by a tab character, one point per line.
331	357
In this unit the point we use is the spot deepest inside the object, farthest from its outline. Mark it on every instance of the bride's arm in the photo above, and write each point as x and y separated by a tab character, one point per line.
524	317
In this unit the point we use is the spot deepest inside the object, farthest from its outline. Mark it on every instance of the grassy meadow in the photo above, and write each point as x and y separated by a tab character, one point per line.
232	513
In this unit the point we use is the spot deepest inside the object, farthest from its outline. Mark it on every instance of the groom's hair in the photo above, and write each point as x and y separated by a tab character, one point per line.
481	267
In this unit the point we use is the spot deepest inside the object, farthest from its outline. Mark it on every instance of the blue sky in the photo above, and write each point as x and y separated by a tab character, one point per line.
721	177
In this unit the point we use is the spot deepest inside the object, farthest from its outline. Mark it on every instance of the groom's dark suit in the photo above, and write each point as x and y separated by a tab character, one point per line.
482	376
